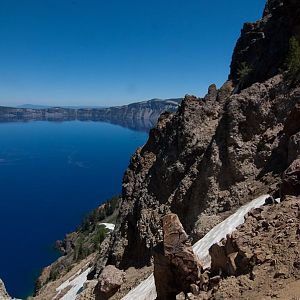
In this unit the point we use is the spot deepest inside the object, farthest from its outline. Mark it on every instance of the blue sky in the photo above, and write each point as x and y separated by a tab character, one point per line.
95	52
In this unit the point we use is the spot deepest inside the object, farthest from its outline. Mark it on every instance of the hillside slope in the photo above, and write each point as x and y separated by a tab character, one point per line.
213	155
210	157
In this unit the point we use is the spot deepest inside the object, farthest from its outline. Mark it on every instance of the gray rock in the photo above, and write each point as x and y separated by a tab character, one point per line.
3	293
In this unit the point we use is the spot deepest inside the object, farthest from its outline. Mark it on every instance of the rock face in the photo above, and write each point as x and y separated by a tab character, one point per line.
176	266
3	293
138	116
291	179
210	157
263	45
216	152
109	282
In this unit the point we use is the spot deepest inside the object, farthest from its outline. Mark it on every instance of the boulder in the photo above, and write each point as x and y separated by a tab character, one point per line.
229	258
176	266
291	180
109	282
292	124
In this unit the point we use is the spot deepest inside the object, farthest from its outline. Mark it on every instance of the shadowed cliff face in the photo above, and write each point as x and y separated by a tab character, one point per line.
210	157
215	153
263	45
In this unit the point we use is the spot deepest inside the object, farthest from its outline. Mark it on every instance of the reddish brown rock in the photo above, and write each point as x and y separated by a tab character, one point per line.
291	180
109	282
176	266
229	258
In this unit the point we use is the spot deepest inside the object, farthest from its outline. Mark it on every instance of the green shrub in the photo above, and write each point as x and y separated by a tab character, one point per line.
243	73
54	273
292	64
99	214
100	234
80	252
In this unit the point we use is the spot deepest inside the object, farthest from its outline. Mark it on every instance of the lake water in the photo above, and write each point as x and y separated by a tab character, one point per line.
51	175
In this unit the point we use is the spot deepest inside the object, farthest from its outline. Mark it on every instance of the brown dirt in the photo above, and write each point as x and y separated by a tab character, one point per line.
271	237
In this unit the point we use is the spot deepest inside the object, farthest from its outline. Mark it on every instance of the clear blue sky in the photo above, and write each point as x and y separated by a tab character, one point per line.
96	52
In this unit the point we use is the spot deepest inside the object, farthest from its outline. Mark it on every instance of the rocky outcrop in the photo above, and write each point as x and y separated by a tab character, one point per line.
109	282
138	116
291	180
263	45
176	266
259	259
3	293
216	152
213	155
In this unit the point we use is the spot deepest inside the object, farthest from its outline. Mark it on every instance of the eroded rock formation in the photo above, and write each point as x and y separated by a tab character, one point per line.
176	266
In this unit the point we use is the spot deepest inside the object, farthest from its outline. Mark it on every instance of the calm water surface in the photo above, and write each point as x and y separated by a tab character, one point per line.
51	175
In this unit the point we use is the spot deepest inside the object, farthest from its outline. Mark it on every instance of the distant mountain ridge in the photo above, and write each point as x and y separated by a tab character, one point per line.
40	106
139	116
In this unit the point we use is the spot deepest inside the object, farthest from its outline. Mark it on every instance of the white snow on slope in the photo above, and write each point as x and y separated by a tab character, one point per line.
76	284
109	226
146	289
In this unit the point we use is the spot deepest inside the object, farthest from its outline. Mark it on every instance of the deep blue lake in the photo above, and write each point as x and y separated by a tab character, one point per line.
51	175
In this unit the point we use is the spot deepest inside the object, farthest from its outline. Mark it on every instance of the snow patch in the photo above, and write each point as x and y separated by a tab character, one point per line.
221	230
146	289
74	284
109	226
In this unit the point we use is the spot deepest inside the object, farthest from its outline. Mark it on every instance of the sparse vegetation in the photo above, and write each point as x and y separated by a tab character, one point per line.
91	233
80	250
105	212
99	236
292	64
243	73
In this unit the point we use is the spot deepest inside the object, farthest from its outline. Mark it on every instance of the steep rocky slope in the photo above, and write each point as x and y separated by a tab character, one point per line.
213	155
259	260
263	44
267	255
210	157
217	153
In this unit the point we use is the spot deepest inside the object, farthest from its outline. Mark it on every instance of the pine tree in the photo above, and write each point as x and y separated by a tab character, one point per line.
293	62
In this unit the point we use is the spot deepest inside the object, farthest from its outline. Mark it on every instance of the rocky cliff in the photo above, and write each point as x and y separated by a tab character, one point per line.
263	45
138	116
218	152
210	157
